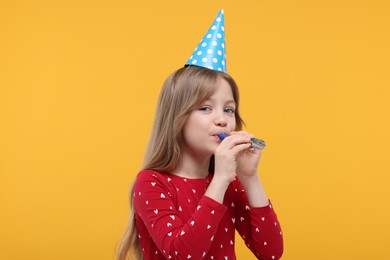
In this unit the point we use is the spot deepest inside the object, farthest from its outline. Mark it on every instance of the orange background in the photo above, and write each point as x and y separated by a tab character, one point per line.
78	87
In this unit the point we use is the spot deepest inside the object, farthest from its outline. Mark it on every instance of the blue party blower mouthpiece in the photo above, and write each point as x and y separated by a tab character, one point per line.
255	143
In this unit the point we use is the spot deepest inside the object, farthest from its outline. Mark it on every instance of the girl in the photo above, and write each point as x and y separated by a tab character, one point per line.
195	190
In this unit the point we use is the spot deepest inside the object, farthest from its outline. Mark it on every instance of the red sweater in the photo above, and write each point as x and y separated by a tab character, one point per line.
175	220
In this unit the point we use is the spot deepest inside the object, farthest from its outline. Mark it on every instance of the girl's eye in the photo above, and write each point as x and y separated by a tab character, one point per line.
204	109
229	110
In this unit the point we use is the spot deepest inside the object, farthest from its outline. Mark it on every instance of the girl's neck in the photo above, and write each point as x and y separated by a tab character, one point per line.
192	168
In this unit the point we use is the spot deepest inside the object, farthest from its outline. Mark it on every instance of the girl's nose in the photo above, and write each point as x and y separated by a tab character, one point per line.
220	120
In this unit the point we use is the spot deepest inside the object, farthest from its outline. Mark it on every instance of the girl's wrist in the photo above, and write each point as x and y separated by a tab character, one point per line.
249	178
220	182
217	189
249	181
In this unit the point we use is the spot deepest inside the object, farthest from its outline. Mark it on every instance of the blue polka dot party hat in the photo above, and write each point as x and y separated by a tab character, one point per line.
211	51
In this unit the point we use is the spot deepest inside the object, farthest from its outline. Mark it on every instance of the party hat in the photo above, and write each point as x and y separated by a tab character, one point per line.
211	51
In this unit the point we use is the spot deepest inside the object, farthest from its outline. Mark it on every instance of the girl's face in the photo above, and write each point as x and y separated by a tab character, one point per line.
214	116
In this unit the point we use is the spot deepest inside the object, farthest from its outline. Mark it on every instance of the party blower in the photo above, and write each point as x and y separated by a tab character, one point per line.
255	143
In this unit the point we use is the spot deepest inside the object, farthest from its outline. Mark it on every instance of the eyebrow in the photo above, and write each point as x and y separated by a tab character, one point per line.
230	101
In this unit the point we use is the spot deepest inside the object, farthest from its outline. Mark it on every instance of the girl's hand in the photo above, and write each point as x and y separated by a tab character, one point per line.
234	156
247	160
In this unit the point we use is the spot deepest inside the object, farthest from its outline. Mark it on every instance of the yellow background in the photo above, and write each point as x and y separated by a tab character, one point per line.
78	85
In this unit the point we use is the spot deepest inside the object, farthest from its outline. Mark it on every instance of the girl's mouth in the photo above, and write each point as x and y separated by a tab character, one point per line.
222	136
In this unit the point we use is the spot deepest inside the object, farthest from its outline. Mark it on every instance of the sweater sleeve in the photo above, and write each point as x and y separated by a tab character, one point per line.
259	227
175	238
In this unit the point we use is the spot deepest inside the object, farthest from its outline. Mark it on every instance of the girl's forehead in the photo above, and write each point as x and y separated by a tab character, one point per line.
223	94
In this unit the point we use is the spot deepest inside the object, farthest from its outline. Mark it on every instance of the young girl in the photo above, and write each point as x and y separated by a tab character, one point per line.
195	190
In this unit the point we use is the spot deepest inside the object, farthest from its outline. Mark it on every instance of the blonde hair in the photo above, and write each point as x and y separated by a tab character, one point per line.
182	92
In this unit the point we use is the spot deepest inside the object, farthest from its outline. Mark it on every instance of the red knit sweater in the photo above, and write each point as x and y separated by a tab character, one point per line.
175	220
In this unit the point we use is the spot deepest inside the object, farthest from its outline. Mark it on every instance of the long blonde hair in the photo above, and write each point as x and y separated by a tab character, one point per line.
182	92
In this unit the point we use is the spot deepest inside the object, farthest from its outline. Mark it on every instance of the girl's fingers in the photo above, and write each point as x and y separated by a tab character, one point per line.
236	138
240	148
